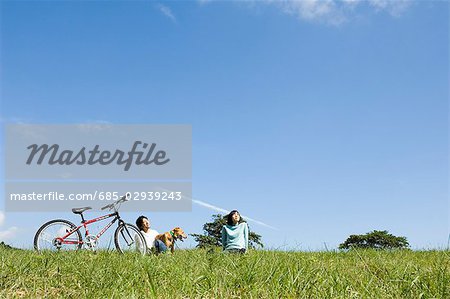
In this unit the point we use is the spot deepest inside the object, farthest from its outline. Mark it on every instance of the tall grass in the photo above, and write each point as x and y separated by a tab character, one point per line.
203	274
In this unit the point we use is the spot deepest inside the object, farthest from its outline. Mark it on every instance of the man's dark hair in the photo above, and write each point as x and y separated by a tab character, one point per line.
139	222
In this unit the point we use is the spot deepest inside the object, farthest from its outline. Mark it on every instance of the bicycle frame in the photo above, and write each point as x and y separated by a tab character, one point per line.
86	223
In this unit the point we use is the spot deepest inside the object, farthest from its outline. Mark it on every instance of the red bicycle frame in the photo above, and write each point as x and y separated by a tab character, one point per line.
85	223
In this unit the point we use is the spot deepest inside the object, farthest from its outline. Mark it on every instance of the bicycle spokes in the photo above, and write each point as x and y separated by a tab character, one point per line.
127	236
54	236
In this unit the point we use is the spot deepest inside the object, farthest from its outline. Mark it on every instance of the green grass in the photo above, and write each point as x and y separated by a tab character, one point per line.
199	274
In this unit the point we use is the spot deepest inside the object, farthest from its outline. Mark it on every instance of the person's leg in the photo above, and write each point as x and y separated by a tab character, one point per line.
236	250
160	246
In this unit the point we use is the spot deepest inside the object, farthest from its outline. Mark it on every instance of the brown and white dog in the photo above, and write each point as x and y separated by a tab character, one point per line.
170	237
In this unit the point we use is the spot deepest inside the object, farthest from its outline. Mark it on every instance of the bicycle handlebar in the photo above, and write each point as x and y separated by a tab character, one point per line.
108	206
113	205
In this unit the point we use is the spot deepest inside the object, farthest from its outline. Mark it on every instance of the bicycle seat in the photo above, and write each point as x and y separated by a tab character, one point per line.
80	210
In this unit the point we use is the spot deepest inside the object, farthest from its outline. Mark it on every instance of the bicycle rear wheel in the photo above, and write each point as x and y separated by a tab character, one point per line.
50	236
128	238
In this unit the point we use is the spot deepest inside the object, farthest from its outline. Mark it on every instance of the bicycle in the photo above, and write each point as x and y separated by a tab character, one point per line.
62	234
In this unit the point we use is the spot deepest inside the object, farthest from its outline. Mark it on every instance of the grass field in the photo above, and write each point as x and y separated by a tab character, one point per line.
202	274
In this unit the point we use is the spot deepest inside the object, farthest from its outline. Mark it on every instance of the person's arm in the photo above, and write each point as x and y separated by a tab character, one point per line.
246	236
224	237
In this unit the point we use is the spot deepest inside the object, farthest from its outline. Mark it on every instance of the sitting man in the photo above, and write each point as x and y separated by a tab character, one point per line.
149	235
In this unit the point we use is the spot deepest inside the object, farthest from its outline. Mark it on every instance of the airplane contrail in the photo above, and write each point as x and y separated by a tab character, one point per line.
225	211
221	210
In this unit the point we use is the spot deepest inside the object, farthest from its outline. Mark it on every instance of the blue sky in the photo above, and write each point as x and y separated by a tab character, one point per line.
322	119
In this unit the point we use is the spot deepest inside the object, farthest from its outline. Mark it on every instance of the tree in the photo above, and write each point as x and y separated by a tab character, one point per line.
3	245
212	234
375	239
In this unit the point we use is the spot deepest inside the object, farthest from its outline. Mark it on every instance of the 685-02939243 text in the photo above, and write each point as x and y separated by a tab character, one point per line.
97	195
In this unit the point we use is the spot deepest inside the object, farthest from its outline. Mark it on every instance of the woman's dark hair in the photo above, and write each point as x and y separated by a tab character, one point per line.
230	217
139	222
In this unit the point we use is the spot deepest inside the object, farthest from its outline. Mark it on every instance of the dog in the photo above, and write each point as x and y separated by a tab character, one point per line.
169	238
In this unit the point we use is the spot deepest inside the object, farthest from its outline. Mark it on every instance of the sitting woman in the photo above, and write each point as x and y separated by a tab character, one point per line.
149	235
235	233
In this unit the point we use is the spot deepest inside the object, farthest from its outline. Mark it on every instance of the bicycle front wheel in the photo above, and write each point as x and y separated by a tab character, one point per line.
128	238
53	236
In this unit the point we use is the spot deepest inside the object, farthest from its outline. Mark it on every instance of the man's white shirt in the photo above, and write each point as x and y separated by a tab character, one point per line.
149	237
